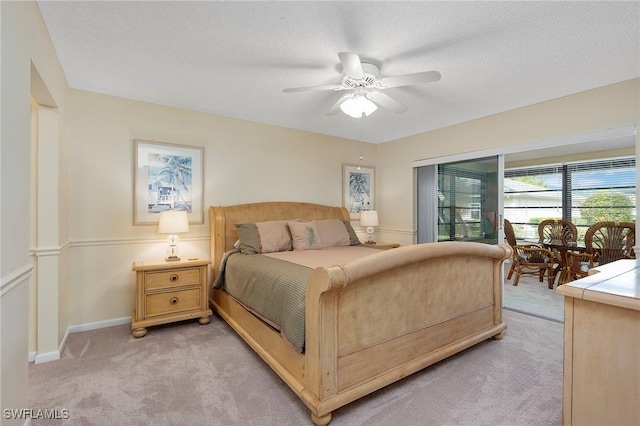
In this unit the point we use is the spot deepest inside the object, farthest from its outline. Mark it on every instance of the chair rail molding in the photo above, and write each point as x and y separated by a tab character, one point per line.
15	278
128	241
48	251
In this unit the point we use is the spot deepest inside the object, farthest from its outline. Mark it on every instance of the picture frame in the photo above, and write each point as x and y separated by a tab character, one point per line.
167	177
358	188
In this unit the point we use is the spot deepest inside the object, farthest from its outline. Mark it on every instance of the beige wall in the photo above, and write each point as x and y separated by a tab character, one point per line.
25	43
244	162
602	108
573	157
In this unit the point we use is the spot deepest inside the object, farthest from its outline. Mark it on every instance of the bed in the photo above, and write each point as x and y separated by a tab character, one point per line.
370	321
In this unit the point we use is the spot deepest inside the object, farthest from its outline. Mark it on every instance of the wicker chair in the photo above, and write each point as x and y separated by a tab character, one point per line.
557	235
510	235
605	242
557	230
529	259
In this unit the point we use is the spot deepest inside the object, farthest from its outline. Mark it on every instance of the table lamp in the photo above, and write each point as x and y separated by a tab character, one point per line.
369	219
173	222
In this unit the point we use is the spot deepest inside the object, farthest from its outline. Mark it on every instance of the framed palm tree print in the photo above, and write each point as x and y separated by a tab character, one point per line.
167	177
358	188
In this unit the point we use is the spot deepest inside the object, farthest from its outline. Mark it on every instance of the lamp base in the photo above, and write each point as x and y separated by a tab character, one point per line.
172	249
370	235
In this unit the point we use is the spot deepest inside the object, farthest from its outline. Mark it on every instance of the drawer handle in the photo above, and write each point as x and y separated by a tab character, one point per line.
173	300
173	278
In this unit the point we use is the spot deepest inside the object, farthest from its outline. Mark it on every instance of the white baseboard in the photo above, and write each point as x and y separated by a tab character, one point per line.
47	356
52	356
55	355
98	325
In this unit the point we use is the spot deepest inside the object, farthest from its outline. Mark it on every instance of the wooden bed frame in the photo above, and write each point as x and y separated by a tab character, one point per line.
372	321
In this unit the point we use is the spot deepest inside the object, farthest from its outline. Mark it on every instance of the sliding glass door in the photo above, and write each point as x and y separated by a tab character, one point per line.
582	192
461	201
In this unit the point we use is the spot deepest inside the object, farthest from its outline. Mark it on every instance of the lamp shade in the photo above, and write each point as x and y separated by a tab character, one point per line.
173	222
369	218
357	105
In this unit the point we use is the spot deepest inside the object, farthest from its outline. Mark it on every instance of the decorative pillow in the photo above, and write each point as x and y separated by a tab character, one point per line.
264	237
352	234
333	233
305	235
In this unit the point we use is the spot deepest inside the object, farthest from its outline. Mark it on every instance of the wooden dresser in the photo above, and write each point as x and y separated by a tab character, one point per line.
170	291
601	383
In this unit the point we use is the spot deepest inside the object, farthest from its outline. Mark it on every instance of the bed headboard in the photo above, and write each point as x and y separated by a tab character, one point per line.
223	219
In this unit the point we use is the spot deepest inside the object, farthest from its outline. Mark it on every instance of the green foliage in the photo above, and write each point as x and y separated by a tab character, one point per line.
531	180
537	220
607	205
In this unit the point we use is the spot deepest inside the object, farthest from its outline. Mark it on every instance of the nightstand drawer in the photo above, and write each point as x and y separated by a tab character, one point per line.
172	278
172	301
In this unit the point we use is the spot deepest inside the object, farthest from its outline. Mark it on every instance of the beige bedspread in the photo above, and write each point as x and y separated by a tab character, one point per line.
273	285
328	256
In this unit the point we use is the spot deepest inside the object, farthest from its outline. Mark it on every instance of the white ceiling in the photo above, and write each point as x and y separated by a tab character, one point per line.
234	58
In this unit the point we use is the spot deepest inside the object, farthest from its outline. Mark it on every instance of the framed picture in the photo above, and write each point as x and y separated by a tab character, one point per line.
167	177
358	185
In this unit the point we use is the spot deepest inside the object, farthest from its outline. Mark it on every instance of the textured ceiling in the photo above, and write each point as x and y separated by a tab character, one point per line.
234	58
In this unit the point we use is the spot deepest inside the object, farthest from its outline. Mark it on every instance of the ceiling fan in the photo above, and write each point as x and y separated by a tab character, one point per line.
364	87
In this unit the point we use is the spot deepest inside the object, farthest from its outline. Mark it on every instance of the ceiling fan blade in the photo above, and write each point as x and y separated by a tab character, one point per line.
410	79
335	87
351	65
335	108
386	101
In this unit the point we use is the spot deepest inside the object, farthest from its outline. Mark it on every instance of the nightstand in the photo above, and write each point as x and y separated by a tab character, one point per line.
170	291
385	244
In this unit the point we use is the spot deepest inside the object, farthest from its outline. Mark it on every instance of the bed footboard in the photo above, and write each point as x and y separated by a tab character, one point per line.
380	318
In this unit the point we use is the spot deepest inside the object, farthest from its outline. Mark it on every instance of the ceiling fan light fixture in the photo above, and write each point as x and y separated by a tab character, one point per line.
364	86
357	105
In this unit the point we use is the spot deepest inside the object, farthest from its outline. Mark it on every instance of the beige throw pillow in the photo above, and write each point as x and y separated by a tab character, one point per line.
333	233
305	235
264	237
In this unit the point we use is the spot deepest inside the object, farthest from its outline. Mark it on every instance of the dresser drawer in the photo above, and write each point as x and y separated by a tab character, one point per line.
172	278
172	301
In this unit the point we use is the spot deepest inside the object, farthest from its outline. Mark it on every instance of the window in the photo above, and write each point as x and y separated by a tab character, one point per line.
584	193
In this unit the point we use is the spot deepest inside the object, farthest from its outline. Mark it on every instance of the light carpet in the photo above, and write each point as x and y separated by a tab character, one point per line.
189	374
533	297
